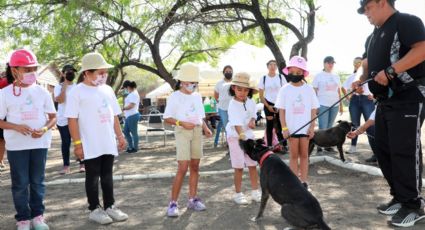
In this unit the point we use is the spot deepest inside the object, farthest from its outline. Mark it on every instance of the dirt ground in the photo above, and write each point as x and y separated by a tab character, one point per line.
348	198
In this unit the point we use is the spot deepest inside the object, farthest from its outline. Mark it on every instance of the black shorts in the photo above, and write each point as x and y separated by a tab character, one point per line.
299	135
1	134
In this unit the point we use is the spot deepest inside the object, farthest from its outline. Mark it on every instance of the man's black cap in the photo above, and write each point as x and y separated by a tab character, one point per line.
363	3
329	59
68	67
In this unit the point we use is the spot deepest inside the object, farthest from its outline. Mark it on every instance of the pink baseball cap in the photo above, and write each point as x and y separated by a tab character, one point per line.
23	58
297	61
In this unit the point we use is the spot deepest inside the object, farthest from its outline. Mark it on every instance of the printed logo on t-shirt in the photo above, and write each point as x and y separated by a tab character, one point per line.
331	86
28	110
104	112
298	106
191	114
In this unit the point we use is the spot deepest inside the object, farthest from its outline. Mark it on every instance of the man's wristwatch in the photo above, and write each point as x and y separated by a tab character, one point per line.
390	72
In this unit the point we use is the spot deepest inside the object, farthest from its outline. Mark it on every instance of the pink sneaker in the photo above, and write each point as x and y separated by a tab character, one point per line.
65	170
82	168
23	225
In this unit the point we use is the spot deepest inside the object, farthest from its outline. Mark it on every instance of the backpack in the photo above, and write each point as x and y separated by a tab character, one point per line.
264	80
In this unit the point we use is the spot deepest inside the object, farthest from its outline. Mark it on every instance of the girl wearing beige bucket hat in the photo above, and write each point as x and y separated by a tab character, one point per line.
242	115
92	110
186	112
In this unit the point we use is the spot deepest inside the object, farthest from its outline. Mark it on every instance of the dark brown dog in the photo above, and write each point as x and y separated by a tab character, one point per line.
299	207
334	136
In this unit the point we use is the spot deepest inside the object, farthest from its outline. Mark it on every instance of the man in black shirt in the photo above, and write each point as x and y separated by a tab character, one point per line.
395	59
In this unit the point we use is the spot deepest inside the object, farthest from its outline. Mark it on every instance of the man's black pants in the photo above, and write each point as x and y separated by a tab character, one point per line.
398	149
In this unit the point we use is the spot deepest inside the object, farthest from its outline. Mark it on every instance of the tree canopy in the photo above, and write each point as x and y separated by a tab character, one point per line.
156	36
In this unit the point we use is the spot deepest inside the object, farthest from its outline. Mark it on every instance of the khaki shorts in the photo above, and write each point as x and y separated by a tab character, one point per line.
188	143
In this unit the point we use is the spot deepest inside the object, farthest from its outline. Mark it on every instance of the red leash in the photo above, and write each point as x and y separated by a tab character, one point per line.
267	154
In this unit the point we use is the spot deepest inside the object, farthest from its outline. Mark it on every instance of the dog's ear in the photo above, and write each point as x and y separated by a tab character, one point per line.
247	145
259	142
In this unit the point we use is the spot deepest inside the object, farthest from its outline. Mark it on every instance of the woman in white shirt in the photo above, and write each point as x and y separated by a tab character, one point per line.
132	116
185	110
61	92
328	89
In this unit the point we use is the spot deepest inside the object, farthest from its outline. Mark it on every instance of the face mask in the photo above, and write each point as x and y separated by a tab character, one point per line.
295	78
69	76
228	76
191	87
29	78
100	80
126	92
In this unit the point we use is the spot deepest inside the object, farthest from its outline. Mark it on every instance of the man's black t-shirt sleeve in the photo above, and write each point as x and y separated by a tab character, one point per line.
411	30
366	46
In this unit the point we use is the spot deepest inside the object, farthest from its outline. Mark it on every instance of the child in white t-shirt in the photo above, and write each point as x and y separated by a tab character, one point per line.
185	110
92	110
242	114
30	114
297	103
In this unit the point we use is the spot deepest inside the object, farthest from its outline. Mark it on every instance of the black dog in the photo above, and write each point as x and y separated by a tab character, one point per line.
334	136
299	207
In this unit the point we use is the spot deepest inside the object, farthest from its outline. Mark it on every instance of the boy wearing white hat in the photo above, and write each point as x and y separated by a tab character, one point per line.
185	110
92	110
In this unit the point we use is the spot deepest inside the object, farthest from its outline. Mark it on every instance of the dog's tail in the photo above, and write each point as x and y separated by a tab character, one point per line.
322	225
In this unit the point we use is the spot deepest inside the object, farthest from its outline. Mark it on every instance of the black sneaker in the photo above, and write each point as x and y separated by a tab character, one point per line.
406	217
390	208
371	159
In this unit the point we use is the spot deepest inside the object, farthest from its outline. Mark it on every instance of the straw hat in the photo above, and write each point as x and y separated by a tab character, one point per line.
94	61
188	72
242	79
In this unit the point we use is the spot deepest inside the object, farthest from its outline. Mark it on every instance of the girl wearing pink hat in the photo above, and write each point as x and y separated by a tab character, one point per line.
297	104
30	115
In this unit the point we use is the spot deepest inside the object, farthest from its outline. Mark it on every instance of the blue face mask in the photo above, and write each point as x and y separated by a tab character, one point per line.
125	92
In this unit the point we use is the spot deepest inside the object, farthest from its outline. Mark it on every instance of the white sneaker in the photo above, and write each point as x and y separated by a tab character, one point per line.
23	225
353	149
116	214
38	223
256	195
240	198
100	216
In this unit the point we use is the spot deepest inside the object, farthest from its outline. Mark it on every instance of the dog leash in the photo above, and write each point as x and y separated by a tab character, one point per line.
320	114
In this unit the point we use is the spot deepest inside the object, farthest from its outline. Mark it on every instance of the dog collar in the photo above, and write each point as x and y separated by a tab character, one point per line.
267	154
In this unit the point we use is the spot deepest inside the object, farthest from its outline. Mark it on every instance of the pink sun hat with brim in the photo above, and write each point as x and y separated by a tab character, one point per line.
299	62
23	58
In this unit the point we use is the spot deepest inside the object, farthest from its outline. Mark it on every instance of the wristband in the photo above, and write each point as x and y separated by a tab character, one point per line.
177	123
44	129
241	136
77	142
284	129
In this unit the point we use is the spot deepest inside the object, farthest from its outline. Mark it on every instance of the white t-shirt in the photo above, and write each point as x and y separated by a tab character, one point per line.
272	87
240	115
61	119
222	88
31	109
327	85
297	103
353	77
95	108
134	98
372	115
185	107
